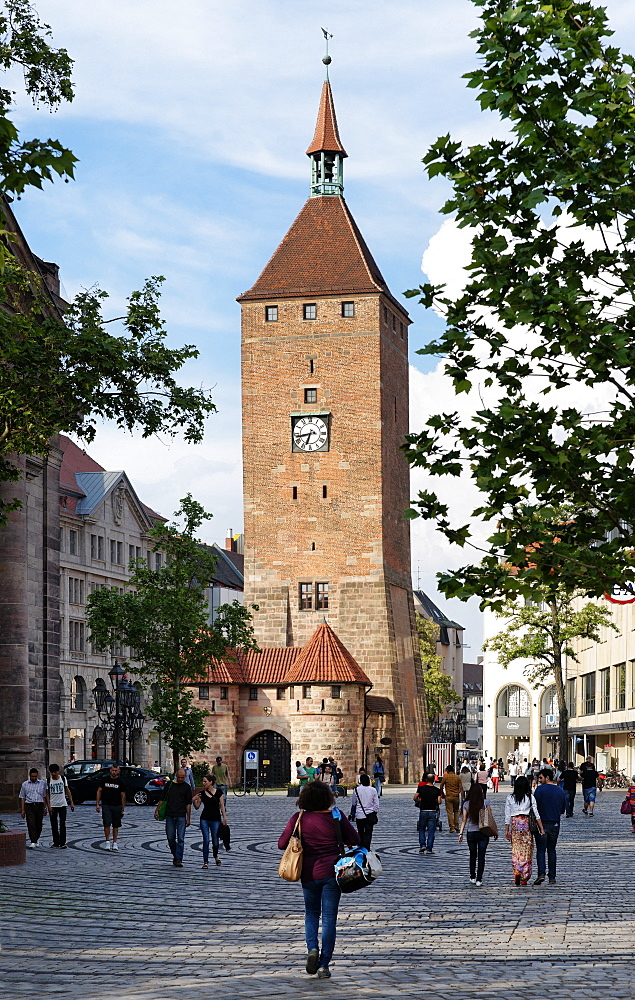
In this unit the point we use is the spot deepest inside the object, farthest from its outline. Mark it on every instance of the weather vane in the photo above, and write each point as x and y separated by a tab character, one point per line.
326	59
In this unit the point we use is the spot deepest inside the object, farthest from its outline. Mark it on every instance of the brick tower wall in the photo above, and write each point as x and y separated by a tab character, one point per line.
362	543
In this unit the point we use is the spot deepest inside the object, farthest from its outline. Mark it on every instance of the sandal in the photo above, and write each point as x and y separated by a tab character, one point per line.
217	860
205	865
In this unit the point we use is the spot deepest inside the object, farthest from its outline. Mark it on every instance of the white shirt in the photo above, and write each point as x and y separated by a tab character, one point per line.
513	808
57	795
368	799
513	769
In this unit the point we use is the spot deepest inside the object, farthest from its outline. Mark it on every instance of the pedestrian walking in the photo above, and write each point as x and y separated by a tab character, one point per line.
466	782
589	777
630	798
477	840
427	799
213	815
189	774
569	784
366	809
451	788
222	780
551	802
300	773
482	777
178	814
319	886
379	774
110	800
495	775
59	796
34	803
513	771
518	805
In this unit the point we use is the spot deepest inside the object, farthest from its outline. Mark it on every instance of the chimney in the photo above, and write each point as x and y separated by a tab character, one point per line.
229	540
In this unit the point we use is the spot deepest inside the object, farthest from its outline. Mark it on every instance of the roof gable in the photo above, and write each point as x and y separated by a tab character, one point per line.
323	253
325	659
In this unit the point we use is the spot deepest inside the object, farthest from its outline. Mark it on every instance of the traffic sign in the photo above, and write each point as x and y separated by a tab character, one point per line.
251	760
405	753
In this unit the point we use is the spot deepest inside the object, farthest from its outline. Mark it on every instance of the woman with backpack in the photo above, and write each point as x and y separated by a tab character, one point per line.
320	851
518	805
477	839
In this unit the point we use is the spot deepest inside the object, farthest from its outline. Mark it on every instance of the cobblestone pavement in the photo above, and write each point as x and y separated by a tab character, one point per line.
87	924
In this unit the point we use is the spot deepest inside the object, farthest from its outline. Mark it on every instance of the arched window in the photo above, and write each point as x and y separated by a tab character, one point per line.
550	702
78	694
513	702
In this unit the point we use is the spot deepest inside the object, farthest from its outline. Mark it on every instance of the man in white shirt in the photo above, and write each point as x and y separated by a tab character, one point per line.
366	804
34	803
513	771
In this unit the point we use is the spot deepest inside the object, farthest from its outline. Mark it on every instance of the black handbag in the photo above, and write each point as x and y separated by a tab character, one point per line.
534	829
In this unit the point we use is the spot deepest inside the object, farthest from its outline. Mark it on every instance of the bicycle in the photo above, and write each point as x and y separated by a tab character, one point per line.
247	786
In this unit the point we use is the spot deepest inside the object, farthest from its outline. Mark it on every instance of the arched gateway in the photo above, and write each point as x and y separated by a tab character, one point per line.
275	757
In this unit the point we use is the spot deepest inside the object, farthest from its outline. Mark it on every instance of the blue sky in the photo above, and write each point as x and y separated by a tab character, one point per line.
190	126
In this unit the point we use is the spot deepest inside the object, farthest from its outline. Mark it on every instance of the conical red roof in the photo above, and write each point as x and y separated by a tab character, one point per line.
325	660
327	137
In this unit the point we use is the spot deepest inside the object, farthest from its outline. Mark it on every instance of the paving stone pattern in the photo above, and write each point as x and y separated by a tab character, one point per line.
83	923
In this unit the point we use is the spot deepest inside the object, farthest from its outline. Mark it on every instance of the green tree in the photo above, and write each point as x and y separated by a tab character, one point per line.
438	686
545	632
548	306
66	369
164	618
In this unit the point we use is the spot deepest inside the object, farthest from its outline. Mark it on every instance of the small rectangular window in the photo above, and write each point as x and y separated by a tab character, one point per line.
72	542
306	690
158	560
224	693
271	314
402	329
253	694
310	395
322	596
295	492
97	547
203	692
324	492
75	590
348	309
76	636
336	690
394	322
116	552
306	597
281	694
309	310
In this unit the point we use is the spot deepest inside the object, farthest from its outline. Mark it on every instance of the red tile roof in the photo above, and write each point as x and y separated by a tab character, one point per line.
226	671
325	659
269	666
323	253
327	137
75	460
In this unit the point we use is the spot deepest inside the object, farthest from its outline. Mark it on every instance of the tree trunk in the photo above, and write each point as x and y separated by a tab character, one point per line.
563	715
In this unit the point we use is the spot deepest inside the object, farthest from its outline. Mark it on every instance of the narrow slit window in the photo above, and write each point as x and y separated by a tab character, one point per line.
311	366
324	492
295	492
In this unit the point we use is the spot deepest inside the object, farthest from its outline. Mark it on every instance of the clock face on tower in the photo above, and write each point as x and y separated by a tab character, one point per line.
309	433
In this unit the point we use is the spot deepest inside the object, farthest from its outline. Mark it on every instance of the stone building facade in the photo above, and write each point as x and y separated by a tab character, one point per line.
325	410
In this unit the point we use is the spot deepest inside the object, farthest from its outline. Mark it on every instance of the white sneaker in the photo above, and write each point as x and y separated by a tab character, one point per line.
478	884
32	845
473	881
107	845
114	846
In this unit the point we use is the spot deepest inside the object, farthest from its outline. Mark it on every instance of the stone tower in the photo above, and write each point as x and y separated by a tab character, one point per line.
325	409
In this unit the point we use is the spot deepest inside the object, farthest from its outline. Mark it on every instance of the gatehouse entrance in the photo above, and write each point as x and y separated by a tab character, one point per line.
275	757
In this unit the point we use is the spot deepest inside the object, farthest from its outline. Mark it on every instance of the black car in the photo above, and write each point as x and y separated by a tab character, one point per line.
143	787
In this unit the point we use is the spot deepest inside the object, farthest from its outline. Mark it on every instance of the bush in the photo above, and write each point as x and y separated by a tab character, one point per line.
200	770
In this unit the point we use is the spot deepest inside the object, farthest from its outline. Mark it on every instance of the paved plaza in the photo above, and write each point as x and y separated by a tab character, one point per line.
84	923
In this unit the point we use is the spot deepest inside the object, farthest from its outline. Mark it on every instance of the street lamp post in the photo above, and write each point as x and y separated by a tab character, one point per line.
120	716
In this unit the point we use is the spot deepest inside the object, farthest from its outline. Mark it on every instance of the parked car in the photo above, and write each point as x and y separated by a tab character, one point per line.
81	767
143	787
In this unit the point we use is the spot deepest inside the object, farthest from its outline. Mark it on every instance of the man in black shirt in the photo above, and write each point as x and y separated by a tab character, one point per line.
569	785
589	785
111	800
428	799
177	815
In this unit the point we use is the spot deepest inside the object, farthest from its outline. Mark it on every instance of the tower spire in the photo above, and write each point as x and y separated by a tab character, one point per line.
326	150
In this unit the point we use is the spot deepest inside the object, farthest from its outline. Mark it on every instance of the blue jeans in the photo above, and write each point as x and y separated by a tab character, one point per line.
323	896
477	842
210	826
427	826
570	796
175	832
547	843
379	780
